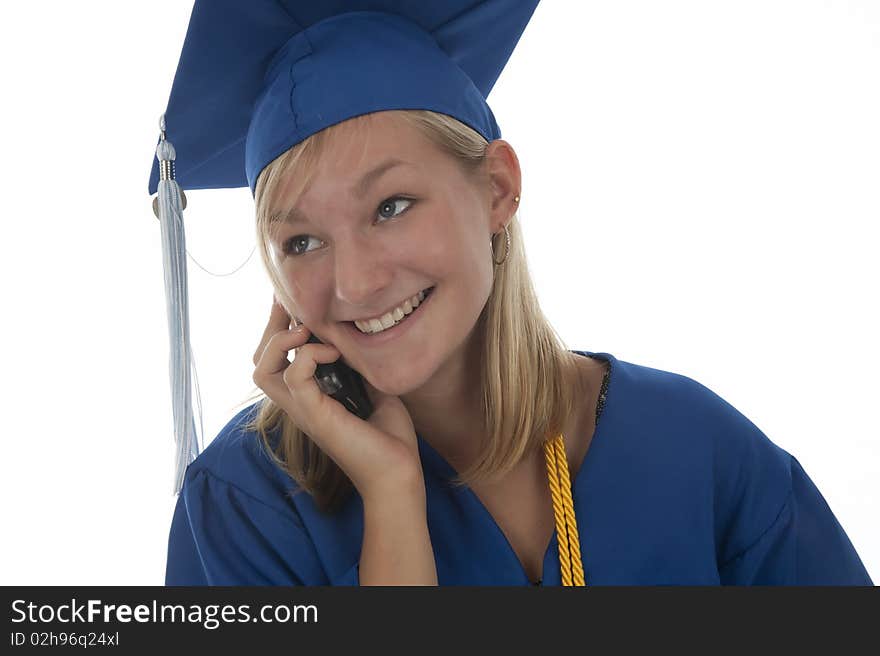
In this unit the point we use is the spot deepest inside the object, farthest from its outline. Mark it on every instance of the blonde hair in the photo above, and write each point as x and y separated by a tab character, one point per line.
525	397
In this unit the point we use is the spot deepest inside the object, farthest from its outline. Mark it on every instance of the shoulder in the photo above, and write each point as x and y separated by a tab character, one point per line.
648	397
684	434
697	417
690	414
237	458
237	521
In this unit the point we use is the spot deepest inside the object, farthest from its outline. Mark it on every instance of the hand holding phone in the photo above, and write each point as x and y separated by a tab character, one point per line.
379	452
344	384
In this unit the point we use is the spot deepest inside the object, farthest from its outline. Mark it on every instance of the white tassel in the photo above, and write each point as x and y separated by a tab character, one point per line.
170	212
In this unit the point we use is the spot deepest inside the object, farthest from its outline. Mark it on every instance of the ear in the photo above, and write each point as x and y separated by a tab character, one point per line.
505	183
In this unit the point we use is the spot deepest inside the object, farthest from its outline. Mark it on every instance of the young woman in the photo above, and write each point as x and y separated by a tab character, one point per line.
493	455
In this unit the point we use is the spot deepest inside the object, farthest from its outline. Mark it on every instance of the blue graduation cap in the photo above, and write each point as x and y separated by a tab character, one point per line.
257	77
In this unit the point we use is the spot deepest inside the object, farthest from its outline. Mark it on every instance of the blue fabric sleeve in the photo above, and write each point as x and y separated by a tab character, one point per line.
221	535
805	545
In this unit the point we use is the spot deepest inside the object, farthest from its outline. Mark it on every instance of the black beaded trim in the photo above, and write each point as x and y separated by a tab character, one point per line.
602	392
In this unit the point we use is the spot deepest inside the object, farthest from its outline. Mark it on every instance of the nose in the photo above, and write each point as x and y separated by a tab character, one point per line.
361	272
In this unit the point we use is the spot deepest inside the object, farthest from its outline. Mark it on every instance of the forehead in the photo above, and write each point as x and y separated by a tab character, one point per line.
349	148
352	156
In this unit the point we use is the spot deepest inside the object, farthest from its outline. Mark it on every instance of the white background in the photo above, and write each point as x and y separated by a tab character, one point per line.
700	195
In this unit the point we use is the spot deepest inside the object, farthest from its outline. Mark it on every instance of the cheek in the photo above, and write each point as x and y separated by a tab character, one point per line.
307	289
465	242
447	234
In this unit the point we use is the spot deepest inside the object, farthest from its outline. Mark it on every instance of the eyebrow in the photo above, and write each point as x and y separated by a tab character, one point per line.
295	215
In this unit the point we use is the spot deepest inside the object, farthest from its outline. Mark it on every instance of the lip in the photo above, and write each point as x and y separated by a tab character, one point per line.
380	338
393	307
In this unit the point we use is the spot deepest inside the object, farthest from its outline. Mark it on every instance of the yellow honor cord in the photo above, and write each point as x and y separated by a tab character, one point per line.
563	508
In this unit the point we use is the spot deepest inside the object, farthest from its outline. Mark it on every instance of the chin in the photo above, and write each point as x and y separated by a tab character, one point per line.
398	379
399	370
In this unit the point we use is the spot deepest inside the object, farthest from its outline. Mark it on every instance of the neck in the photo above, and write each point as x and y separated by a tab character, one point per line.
447	410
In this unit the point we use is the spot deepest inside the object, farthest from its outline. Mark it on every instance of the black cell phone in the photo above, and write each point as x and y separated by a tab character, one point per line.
344	384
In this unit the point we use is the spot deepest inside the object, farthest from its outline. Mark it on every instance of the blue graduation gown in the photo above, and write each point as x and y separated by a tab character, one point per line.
677	488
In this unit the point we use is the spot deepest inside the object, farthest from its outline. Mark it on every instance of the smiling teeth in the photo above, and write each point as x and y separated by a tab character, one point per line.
392	318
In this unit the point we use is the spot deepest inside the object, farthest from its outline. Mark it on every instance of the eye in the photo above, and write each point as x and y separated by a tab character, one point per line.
292	245
387	210
389	204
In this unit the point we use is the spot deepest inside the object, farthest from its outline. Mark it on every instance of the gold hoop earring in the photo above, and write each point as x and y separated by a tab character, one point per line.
506	251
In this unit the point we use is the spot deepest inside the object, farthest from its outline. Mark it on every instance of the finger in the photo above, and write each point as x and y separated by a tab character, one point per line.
318	414
302	370
273	358
272	362
277	305
279	320
291	385
274	369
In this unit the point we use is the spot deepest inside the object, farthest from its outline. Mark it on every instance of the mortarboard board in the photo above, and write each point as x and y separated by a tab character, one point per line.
257	77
